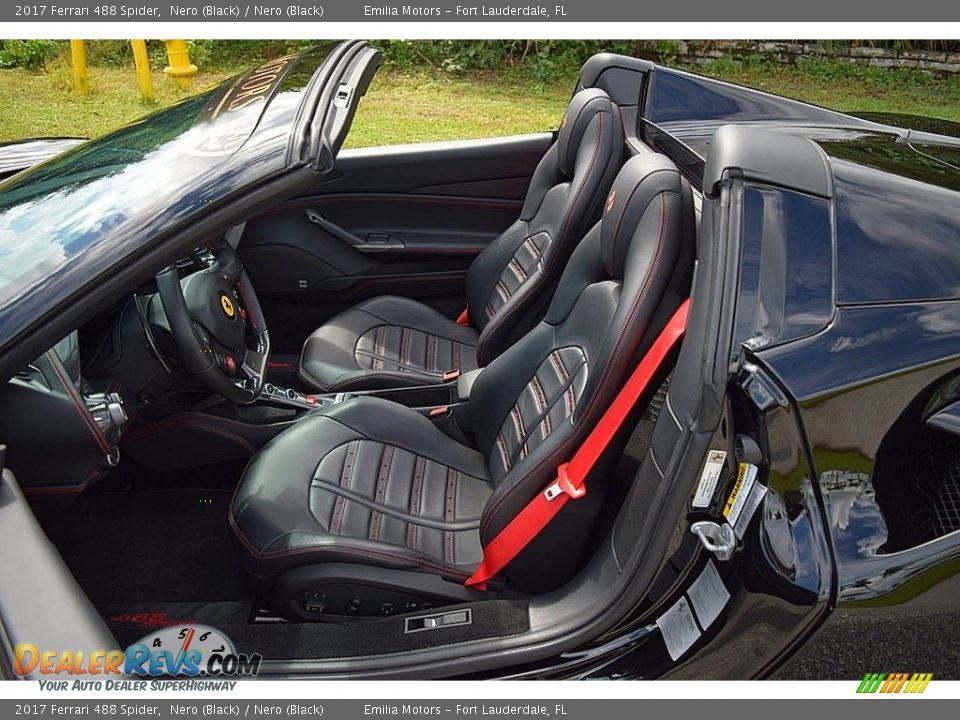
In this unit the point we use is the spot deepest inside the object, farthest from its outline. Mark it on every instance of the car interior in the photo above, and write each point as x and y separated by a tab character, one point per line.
306	431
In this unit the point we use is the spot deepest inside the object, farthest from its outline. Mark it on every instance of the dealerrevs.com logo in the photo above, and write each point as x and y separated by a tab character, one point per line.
911	683
181	651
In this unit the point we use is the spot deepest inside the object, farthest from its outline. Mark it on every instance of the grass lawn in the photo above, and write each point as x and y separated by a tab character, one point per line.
37	103
398	108
421	107
418	108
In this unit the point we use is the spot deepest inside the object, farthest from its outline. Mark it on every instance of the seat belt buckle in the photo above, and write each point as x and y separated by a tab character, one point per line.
563	486
450	375
438	411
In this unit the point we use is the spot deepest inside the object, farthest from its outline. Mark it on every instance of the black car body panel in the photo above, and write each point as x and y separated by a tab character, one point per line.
918	123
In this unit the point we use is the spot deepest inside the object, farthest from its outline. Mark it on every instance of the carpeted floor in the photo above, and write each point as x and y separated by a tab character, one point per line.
133	546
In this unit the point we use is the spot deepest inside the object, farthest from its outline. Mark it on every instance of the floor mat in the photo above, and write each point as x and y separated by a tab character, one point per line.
140	546
130	475
130	622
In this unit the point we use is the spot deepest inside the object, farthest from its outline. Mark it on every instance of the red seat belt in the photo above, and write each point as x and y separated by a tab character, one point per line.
464	318
571	476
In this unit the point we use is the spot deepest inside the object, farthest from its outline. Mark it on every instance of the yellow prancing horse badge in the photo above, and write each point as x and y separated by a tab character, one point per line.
227	304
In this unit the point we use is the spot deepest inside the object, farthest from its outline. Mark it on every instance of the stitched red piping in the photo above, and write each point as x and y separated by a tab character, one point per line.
497	322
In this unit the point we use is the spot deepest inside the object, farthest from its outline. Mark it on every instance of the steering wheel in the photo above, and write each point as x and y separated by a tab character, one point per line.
217	325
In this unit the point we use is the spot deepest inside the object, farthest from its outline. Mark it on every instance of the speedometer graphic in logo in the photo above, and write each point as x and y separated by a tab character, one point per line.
182	650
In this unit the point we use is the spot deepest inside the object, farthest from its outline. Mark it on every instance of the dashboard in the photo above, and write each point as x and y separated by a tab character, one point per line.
61	431
62	416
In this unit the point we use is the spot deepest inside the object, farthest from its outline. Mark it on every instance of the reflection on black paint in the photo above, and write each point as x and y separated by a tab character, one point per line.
680	96
786	265
897	238
930	164
63	206
78	216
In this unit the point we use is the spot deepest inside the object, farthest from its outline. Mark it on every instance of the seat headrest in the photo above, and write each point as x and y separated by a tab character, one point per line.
639	181
583	107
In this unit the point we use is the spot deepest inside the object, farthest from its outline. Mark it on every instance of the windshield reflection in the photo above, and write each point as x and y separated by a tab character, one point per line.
63	206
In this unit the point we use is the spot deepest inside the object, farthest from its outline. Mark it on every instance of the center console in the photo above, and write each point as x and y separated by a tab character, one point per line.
288	397
432	400
195	432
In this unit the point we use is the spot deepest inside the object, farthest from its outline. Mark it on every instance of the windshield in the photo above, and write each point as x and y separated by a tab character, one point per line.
62	207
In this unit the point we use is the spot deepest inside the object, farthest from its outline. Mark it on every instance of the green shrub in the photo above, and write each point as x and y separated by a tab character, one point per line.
31	54
668	52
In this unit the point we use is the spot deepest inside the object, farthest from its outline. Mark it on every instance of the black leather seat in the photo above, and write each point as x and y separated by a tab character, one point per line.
376	483
391	341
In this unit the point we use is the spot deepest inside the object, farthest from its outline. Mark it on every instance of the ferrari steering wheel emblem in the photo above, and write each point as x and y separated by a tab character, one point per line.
227	304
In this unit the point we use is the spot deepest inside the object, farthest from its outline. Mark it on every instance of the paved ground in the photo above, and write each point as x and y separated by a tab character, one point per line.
855	642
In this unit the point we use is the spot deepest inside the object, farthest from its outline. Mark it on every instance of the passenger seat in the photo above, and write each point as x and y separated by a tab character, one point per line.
392	341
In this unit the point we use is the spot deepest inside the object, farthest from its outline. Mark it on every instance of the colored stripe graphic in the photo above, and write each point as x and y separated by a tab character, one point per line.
894	683
871	682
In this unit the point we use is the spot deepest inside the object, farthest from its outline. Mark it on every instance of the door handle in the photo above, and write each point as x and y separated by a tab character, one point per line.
334	229
382	243
375	244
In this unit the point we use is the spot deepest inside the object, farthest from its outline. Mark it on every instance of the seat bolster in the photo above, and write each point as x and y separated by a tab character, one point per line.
270	508
281	512
384	421
385	341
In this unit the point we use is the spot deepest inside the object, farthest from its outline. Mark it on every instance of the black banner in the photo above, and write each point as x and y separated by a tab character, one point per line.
327	11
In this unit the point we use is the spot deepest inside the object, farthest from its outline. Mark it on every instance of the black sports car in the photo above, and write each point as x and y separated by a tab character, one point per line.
673	391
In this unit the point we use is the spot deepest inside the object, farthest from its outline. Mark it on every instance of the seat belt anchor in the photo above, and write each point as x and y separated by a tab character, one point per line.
563	485
721	540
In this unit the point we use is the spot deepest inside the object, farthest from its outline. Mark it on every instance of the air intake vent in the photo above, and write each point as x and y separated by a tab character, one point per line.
938	486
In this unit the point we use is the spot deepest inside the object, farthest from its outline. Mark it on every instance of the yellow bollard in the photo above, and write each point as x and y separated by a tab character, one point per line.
79	56
180	69
142	63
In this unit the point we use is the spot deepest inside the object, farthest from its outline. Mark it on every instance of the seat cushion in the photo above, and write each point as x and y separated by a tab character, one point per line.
366	480
386	341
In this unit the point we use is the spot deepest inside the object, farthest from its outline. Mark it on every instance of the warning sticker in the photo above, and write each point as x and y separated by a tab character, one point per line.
746	477
678	628
709	478
749	508
708	595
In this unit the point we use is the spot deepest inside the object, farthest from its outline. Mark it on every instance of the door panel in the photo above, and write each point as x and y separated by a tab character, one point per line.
422	236
405	220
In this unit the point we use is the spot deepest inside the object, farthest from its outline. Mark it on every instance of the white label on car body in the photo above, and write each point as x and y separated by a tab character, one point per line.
708	595
737	501
756	496
678	628
709	478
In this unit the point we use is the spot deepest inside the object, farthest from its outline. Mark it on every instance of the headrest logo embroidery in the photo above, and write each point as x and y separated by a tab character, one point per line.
610	200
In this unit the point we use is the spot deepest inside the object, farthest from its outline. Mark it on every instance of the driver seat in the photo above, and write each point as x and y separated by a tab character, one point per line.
374	485
392	341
